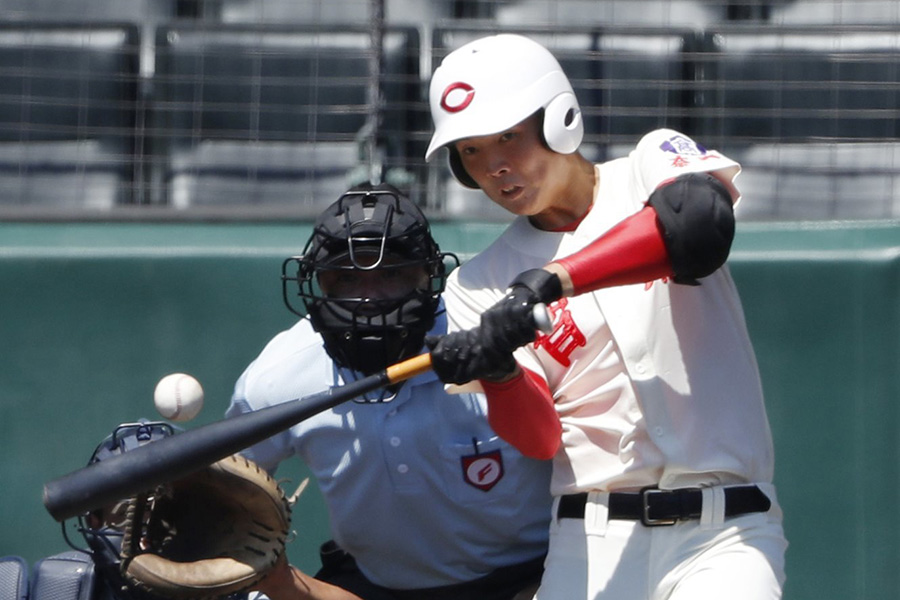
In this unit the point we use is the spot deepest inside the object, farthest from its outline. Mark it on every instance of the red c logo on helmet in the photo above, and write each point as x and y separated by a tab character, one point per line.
457	106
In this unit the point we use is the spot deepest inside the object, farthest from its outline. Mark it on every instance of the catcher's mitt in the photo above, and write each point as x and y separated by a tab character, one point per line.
213	533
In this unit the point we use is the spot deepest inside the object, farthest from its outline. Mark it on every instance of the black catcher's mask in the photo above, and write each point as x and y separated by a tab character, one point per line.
370	278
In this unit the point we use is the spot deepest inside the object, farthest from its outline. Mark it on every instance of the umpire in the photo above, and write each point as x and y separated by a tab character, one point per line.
425	501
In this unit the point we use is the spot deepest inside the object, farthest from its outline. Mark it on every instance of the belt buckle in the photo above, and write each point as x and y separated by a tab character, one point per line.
645	508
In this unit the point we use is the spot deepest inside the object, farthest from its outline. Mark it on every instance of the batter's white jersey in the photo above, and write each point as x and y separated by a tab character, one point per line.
654	384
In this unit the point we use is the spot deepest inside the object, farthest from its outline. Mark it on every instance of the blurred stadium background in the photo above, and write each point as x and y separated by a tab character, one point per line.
160	158
256	109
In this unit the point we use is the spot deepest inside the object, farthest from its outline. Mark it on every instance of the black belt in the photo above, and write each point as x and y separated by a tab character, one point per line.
653	506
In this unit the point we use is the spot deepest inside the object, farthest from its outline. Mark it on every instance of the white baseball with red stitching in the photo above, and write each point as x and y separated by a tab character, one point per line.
178	397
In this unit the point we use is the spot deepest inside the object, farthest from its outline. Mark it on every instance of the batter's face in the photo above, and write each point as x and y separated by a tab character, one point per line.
515	168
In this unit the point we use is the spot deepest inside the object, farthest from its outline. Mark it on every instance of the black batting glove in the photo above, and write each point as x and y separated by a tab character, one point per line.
462	356
509	324
486	352
542	286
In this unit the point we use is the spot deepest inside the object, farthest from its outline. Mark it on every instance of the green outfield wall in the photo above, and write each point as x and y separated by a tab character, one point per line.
93	314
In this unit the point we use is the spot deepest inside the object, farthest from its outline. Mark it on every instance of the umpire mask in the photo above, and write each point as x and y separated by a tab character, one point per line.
370	278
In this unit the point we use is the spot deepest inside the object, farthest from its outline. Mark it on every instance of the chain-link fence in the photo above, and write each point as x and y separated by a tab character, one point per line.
250	109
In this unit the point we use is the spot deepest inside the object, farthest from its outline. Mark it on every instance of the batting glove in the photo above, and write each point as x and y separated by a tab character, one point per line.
509	324
486	352
540	285
463	356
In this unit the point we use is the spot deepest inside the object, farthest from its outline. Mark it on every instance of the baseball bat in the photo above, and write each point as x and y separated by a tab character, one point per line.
143	468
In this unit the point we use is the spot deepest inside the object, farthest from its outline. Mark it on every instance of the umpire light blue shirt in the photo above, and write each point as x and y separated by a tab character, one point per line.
419	489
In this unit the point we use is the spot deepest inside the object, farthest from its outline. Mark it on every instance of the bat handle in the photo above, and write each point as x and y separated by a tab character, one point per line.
409	368
541	316
417	365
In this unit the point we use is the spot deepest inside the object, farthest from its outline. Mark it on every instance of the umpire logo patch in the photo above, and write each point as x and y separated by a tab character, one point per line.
483	470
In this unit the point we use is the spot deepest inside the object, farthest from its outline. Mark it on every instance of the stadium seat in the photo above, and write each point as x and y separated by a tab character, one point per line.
147	14
275	115
642	83
68	575
68	109
819	181
421	13
791	84
306	12
833	12
13	578
566	13
90	10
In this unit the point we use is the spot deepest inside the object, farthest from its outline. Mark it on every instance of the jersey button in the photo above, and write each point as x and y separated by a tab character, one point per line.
403	469
395	441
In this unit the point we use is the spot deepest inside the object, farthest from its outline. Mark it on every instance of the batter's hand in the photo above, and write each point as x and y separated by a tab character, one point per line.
463	356
486	351
510	323
537	285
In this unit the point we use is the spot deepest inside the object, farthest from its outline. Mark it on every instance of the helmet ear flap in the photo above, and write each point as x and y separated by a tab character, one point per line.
563	125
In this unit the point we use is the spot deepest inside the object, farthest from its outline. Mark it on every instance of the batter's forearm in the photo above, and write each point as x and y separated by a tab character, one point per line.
521	411
633	251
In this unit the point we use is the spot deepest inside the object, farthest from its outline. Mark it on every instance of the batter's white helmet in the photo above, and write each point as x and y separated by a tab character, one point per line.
493	83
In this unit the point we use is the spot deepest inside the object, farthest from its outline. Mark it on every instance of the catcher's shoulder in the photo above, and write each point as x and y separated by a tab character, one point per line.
298	338
298	349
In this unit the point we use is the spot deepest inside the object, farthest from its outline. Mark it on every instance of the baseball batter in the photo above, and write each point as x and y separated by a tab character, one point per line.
646	395
424	499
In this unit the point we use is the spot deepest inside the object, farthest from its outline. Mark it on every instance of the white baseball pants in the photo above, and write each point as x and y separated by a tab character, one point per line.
739	558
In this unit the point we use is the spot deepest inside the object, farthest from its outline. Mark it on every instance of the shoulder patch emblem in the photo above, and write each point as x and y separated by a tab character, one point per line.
683	146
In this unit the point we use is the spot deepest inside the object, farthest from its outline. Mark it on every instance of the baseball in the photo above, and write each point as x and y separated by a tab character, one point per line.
178	397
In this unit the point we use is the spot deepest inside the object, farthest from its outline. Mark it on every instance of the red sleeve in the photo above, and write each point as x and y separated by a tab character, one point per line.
521	412
631	252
